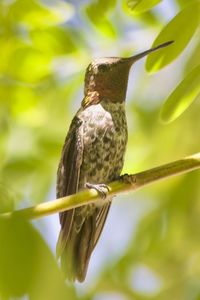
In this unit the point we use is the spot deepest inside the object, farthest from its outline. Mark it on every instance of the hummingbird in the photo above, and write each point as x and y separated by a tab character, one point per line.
92	156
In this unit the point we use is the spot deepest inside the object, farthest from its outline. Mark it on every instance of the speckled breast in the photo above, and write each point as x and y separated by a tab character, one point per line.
104	139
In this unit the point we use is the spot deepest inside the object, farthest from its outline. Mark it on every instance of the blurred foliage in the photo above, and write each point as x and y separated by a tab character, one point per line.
184	94
45	47
140	6
26	264
97	12
172	32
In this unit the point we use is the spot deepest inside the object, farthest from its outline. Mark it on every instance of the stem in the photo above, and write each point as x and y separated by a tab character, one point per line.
86	196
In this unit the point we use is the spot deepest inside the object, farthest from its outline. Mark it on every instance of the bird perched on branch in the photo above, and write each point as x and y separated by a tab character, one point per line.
93	155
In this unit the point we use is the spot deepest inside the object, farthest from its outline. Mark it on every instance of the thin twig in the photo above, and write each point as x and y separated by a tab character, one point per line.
86	196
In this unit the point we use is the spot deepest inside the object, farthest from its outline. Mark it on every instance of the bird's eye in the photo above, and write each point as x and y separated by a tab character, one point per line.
103	68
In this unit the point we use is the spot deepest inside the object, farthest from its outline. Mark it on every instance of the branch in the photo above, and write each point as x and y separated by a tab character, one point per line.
86	196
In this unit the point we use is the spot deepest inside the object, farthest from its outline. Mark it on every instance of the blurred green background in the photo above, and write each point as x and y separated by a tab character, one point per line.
150	248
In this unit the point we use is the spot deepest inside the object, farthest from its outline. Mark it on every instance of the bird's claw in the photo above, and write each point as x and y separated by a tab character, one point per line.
101	188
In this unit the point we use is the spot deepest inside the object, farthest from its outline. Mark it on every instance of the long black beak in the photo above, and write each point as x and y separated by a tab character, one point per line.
136	57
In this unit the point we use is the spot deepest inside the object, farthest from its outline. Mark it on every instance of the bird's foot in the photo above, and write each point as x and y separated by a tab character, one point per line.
101	188
129	179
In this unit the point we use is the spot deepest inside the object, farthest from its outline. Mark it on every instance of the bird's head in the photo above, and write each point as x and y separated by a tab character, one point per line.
107	78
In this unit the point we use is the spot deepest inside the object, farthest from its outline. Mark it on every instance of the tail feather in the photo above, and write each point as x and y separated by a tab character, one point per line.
64	232
79	235
85	248
77	250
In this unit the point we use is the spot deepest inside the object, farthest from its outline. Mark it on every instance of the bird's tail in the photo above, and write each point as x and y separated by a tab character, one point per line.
75	249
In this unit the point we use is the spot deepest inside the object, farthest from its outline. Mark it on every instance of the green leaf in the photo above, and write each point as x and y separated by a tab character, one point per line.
53	41
185	93
27	265
35	14
96	11
148	18
6	198
28	64
194	58
178	30
106	5
141	6
97	14
182	3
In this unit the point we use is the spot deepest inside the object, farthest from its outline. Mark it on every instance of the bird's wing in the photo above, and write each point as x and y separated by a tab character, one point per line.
68	177
75	246
100	221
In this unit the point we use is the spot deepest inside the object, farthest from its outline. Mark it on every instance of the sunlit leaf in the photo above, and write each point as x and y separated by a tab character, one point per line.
104	5
17	262
182	96
27	265
182	3
194	58
177	30
28	64
141	6
8	46
53	40
97	14
24	100
36	14
6	199
148	17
